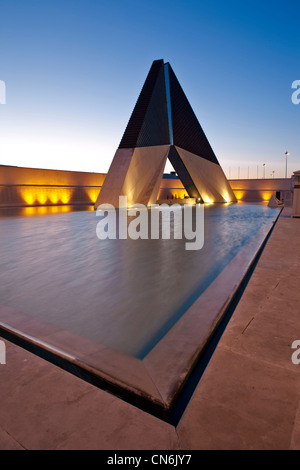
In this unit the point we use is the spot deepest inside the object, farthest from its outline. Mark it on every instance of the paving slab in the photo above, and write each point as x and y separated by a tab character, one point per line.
46	408
249	395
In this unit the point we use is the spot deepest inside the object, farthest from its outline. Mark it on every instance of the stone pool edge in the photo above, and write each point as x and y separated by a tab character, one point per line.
154	382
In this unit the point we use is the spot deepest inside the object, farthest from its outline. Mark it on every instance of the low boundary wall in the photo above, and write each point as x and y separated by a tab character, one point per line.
26	187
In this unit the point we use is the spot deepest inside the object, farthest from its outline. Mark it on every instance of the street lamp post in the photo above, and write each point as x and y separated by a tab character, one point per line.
286	155
264	166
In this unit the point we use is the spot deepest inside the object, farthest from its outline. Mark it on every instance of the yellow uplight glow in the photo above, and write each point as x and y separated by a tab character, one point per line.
65	196
239	194
29	195
226	197
266	195
54	196
207	199
34	195
42	197
93	194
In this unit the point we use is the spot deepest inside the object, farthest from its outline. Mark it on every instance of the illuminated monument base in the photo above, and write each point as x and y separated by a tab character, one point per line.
163	126
131	175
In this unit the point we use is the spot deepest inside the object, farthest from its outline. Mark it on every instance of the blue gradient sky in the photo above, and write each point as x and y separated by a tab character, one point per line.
74	68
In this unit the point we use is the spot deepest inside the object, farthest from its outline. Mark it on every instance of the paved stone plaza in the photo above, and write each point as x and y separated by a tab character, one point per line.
248	397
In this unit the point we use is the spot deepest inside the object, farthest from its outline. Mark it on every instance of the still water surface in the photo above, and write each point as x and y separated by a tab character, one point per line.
125	294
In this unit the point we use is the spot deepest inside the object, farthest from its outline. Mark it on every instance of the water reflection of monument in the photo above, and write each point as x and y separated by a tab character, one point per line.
163	126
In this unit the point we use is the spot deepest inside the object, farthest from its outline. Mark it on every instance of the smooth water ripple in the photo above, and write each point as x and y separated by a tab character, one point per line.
125	294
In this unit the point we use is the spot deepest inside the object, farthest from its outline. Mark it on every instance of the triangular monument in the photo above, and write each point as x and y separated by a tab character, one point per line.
163	125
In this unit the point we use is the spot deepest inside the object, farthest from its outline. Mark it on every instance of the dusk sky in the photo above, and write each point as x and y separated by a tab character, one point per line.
73	70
